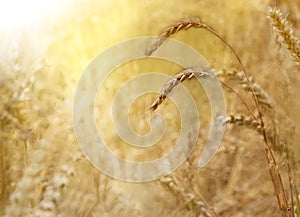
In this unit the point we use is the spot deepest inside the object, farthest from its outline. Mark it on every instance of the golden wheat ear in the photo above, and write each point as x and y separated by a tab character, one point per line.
171	84
284	33
182	24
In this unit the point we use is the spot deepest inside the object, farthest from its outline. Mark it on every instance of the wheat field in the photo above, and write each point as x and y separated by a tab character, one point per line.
255	172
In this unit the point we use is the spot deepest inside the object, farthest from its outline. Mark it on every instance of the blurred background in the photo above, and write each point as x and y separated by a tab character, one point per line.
45	47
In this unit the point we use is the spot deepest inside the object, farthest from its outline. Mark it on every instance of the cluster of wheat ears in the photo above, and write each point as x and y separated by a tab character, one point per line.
288	204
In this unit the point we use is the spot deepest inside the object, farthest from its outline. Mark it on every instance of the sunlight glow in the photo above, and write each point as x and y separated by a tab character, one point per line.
18	14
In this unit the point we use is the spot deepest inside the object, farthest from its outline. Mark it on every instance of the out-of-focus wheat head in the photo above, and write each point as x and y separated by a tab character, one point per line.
284	33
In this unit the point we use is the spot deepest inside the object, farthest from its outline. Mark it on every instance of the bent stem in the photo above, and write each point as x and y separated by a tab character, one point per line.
187	23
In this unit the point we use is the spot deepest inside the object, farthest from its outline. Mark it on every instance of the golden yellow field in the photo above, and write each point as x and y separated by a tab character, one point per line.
255	172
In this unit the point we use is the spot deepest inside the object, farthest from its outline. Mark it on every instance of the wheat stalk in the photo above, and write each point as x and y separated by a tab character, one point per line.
264	99
273	167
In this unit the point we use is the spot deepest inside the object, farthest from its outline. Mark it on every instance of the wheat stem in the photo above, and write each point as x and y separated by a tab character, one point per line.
240	98
195	22
264	99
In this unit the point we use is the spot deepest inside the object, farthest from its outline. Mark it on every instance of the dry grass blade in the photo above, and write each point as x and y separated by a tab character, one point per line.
180	77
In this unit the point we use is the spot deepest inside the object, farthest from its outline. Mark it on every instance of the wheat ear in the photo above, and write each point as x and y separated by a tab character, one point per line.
185	23
264	99
178	78
191	73
284	33
190	196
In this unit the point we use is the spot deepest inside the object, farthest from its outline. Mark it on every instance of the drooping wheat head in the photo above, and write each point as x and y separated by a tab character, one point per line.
182	24
248	84
178	78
